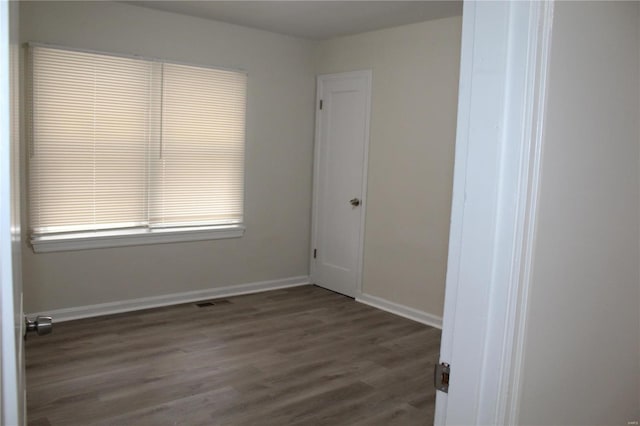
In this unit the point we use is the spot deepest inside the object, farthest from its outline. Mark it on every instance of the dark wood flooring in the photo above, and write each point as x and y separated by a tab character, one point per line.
299	356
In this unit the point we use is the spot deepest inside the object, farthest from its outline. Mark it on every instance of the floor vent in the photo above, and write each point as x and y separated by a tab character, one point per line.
212	303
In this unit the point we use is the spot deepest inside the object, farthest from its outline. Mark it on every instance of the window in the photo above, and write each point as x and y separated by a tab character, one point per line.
127	147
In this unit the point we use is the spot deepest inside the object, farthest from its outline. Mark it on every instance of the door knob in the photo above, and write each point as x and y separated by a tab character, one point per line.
355	202
41	325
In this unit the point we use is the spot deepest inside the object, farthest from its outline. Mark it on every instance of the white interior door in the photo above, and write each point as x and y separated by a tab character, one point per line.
342	138
12	372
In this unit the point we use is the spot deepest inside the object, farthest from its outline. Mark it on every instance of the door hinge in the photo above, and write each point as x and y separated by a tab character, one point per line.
441	377
320	103
315	253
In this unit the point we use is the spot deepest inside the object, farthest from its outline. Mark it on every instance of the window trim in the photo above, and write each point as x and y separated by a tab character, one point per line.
132	237
72	241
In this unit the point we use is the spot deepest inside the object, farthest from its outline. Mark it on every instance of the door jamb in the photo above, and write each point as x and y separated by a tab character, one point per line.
505	205
12	396
368	75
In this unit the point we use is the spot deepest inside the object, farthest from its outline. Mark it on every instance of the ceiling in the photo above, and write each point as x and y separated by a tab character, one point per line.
315	20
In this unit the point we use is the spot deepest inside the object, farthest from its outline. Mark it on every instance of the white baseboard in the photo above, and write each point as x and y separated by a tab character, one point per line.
68	314
402	310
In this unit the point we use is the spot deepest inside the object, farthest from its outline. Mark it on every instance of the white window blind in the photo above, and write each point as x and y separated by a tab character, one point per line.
132	143
90	137
199	178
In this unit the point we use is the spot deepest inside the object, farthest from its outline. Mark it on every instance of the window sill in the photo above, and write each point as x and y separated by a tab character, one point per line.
135	237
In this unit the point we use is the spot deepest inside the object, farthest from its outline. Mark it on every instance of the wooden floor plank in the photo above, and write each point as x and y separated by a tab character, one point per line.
299	356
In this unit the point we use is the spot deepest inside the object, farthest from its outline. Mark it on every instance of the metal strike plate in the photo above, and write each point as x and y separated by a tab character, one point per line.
441	377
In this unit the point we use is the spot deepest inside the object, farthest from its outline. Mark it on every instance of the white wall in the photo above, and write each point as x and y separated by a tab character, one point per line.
413	120
278	163
582	356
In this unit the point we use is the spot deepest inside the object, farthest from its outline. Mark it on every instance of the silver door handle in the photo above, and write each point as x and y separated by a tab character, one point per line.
355	202
41	325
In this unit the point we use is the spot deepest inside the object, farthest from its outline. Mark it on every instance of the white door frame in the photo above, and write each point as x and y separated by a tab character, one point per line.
12	402
505	50
368	75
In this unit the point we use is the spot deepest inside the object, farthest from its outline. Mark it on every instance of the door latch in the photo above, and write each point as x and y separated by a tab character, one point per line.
441	377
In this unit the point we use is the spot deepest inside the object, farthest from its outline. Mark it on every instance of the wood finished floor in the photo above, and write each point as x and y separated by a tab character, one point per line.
299	356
